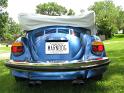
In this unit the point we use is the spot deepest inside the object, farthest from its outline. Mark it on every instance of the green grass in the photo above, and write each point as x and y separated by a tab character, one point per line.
113	80
4	49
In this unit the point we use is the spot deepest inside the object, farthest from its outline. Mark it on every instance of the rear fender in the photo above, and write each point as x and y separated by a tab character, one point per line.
88	55
26	56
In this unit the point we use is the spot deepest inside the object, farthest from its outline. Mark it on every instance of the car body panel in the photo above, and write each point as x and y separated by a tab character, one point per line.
80	48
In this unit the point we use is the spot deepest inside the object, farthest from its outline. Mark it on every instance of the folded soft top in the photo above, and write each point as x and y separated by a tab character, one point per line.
34	21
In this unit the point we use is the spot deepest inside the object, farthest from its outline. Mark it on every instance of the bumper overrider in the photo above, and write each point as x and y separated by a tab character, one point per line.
77	65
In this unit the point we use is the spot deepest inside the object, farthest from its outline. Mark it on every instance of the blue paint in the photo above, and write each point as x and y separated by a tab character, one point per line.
79	49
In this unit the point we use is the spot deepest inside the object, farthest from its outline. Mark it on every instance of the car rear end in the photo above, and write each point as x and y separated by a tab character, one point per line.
58	53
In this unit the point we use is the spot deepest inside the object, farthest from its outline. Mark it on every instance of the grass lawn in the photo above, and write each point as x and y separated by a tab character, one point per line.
113	80
4	49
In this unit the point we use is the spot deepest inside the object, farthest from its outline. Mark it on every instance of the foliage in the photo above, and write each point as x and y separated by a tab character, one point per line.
3	23
120	20
13	30
8	28
3	18
106	17
3	3
71	12
53	9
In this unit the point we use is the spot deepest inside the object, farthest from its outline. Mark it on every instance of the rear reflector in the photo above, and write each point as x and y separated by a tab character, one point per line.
99	58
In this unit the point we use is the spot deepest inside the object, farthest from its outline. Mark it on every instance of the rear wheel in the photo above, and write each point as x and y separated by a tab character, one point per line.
98	77
19	79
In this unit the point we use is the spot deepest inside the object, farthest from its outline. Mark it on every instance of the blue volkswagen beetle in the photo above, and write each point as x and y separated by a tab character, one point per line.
58	48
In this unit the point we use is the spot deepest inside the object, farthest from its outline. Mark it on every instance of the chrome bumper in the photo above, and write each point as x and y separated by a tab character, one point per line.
57	67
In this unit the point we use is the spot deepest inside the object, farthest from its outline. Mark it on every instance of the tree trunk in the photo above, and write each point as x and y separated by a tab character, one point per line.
108	35
123	31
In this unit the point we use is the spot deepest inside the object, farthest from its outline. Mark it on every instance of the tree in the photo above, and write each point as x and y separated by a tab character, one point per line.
9	29
3	18
106	17
120	20
13	30
71	12
52	9
4	3
3	23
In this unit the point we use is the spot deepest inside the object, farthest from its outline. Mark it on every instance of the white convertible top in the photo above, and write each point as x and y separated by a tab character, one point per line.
34	21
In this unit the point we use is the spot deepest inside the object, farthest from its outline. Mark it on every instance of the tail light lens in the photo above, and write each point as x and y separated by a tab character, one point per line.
97	47
17	48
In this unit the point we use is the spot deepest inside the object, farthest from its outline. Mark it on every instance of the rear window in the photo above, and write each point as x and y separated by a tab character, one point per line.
66	31
41	33
48	31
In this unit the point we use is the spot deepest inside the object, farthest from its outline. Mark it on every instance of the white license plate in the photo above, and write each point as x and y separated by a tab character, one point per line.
57	48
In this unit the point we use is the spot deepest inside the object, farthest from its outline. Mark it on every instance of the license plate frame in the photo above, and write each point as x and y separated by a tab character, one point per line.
57	48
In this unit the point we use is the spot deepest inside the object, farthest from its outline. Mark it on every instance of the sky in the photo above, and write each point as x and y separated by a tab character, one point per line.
28	6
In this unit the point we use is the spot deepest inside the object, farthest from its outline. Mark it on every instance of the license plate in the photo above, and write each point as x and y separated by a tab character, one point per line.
57	48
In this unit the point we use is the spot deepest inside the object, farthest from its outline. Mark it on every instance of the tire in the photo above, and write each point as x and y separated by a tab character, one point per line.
18	79
98	77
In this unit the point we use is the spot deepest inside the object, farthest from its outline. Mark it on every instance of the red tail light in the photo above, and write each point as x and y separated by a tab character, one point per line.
97	47
17	48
